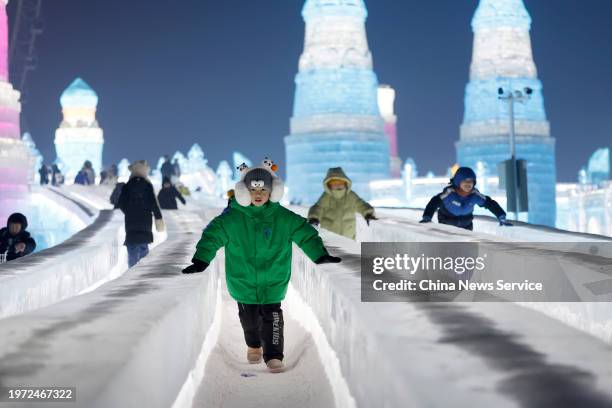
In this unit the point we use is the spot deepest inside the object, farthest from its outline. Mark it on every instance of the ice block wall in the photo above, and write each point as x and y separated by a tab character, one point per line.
502	58
79	137
336	120
13	152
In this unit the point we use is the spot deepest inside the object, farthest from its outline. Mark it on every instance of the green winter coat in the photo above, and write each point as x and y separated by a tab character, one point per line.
338	215
258	249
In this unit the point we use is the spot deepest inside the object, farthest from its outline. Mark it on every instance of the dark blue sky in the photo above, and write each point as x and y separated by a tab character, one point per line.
220	73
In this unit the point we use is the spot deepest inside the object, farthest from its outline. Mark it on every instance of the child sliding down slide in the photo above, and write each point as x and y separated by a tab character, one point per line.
455	205
257	233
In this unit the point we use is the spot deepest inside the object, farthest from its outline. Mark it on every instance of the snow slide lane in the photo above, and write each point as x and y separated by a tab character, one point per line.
230	381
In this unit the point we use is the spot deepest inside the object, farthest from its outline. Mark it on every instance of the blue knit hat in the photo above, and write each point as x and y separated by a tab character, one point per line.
463	173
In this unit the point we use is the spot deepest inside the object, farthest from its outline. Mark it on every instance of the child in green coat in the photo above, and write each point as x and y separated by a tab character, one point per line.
257	233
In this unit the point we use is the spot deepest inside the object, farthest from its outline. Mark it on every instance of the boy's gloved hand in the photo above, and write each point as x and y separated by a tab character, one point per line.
325	259
425	220
370	217
313	221
197	266
503	222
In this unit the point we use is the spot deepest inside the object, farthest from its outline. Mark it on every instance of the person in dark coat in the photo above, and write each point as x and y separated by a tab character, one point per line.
167	170
56	176
455	205
138	203
44	175
114	198
168	194
15	241
81	178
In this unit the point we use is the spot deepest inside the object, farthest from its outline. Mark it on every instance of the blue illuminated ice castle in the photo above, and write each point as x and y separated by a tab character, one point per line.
79	137
336	120
502	58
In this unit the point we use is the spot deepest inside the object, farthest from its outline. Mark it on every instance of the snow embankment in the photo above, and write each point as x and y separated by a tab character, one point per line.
81	263
130	343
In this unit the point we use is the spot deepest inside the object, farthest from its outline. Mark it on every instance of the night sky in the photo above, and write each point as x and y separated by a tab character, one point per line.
220	73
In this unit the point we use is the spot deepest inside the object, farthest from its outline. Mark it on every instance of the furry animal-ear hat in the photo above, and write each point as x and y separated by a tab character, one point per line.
263	176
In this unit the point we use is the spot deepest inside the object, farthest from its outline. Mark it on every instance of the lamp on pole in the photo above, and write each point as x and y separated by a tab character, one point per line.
512	96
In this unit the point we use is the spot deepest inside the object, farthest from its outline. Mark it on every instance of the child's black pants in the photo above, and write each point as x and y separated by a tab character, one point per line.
263	327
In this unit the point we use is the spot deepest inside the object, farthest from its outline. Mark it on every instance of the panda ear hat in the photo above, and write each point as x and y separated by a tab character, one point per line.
242	194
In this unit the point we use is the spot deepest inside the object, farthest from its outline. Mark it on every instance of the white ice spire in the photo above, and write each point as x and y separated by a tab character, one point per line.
335	35
502	44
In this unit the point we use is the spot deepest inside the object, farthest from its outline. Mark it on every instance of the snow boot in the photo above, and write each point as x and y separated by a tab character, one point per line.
254	355
275	366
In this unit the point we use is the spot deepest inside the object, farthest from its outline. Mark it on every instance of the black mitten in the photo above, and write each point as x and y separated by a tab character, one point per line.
197	266
325	259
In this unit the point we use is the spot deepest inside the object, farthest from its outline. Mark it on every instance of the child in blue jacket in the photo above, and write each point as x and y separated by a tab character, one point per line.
455	205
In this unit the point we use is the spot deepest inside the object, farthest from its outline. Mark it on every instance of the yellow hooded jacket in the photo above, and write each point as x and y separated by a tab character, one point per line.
338	214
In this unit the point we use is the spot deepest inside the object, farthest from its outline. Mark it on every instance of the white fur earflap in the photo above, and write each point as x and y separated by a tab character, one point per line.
278	190
242	195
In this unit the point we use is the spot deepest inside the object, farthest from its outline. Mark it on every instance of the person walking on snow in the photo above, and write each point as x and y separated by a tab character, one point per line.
168	195
138	203
15	241
257	233
455	205
336	208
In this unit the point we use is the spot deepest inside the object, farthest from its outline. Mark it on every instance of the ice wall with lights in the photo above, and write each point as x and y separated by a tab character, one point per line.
336	119
79	137
502	58
14	156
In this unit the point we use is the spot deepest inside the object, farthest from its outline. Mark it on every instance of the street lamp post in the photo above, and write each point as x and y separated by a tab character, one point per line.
511	97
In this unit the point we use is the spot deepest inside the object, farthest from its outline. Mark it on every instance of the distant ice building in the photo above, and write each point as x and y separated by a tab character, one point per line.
598	169
79	137
336	119
587	205
502	58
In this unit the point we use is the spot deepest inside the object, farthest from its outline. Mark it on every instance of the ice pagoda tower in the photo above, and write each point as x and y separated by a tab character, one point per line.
336	120
79	137
502	58
14	165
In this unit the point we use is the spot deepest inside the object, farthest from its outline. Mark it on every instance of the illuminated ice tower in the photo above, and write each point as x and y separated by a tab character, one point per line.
13	152
502	58
336	120
79	137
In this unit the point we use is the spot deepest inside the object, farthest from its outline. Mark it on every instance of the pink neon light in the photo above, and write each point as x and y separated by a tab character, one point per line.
391	132
3	43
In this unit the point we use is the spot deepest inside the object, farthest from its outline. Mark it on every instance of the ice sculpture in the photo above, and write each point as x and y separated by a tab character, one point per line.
502	58
79	137
598	169
336	119
225	180
13	153
238	159
35	159
386	104
195	172
196	160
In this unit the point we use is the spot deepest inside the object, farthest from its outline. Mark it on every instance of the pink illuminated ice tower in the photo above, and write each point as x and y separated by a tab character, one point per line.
386	104
13	153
